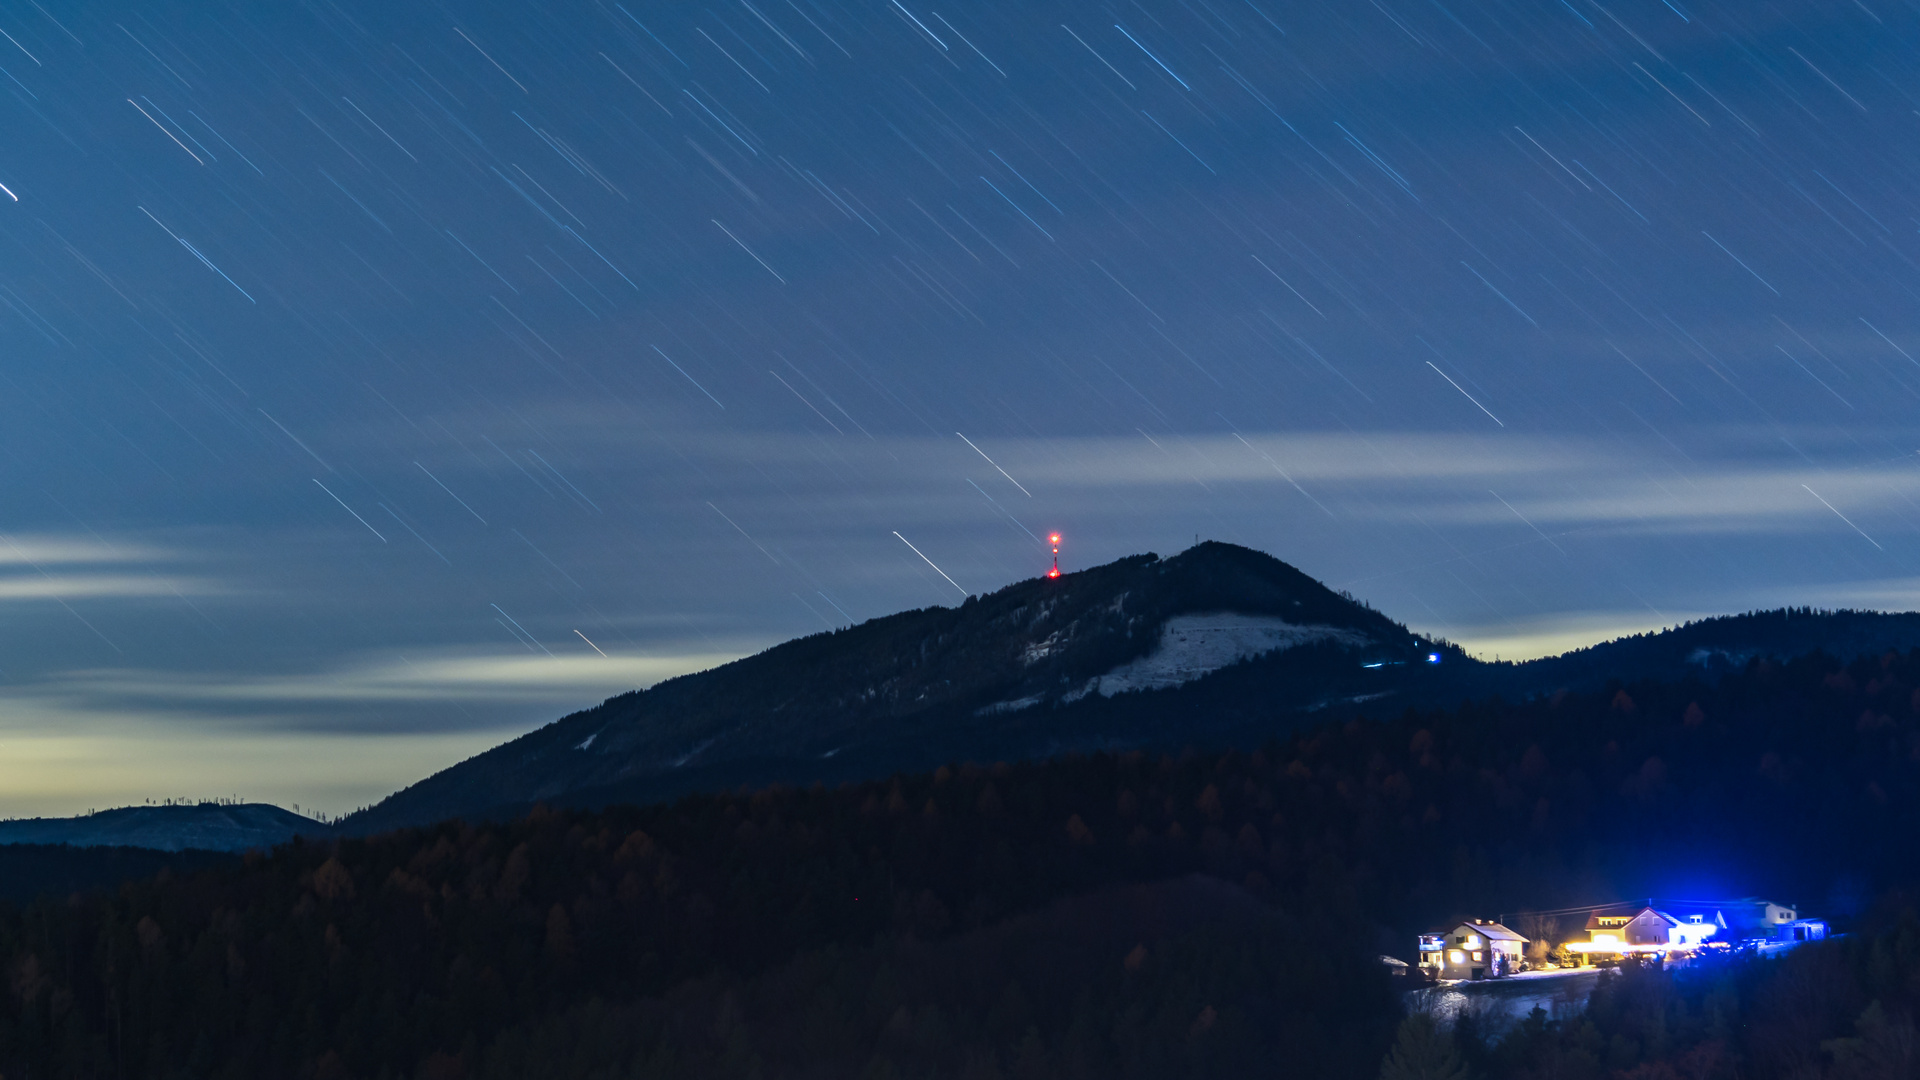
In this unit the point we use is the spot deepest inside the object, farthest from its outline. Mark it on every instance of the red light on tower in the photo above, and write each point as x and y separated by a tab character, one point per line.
1054	539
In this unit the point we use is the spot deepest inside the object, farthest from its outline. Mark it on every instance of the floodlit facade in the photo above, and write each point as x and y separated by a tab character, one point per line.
1654	930
1626	931
1681	927
1471	950
1755	917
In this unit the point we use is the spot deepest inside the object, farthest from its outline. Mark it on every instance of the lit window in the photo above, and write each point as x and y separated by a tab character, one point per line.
1456	957
1473	941
1476	958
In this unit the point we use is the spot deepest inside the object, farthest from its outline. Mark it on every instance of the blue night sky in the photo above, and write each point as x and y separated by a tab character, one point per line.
378	381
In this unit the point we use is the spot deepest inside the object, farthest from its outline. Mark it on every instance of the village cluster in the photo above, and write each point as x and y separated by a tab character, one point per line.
1651	932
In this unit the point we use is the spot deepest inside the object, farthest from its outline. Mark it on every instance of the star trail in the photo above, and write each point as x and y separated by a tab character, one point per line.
377	381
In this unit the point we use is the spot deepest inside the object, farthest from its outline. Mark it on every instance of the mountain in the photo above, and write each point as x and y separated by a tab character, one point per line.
199	827
1217	646
999	677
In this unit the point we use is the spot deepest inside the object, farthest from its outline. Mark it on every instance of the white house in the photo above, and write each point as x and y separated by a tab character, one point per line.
1683	926
1471	950
1626	930
1753	916
1749	917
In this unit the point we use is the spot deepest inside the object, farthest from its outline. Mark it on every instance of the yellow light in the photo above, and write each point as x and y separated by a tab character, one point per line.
1456	957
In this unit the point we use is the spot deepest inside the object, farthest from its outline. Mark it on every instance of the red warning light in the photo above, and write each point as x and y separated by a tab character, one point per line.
1054	539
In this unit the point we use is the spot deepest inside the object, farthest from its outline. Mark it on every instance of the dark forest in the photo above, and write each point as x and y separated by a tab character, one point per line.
1174	916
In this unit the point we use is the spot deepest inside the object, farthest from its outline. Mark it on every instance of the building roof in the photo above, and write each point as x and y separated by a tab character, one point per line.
1628	912
1712	912
1492	931
1735	913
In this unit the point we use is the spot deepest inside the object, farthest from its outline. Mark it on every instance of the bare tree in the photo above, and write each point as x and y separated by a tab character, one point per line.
1543	936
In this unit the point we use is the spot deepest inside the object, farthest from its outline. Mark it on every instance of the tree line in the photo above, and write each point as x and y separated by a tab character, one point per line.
979	920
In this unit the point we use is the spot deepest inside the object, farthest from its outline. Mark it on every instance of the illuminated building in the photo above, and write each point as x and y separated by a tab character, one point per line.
1471	950
1680	927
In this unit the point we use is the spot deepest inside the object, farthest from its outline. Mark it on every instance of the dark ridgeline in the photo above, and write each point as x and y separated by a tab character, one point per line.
1005	676
1029	920
905	691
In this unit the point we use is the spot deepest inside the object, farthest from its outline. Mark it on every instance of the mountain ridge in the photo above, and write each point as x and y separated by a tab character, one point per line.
1083	663
1021	652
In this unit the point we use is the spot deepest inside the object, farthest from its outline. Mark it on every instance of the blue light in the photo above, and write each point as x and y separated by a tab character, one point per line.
1433	658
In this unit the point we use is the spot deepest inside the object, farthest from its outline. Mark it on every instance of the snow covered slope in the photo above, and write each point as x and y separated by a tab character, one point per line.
1193	646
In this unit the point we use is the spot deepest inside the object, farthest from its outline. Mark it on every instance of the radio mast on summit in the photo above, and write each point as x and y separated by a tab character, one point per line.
1054	539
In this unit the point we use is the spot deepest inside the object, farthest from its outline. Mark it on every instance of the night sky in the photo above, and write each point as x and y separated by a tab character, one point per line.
378	381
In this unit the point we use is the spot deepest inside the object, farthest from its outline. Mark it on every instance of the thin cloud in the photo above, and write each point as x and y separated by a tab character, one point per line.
397	694
31	586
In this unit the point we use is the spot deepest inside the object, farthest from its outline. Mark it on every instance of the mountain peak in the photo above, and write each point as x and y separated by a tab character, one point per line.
888	691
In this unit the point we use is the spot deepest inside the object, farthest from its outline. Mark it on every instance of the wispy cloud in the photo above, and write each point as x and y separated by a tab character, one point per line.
1722	479
333	739
53	549
445	677
94	586
438	690
53	567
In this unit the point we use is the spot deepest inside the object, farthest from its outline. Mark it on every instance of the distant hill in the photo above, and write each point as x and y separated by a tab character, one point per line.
199	827
1218	646
1727	643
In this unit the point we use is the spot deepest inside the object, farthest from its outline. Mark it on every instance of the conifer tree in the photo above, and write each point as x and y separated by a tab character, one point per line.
1423	1052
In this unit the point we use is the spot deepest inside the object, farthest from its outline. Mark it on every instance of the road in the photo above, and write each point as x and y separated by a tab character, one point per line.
1501	1002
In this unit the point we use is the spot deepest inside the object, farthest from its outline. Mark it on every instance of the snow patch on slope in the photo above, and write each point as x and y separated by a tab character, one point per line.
1195	645
1016	705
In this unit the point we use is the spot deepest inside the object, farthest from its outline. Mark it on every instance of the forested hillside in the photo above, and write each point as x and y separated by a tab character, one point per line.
982	920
